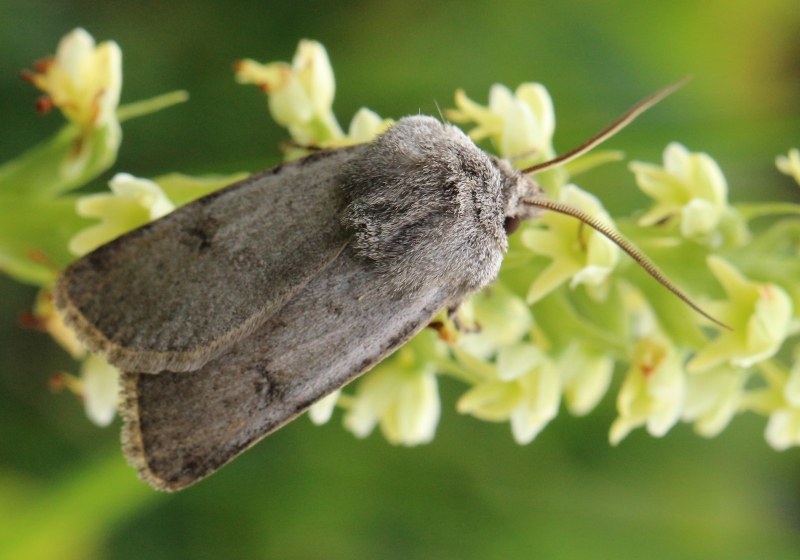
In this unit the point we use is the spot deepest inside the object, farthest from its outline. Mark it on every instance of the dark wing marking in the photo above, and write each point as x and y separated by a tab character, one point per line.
181	427
176	292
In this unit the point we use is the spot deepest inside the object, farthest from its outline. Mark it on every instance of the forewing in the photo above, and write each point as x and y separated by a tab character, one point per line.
181	427
176	292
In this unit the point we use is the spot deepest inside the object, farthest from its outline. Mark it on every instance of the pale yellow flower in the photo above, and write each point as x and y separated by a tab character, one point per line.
365	126
322	410
100	390
790	164
783	427
97	387
759	315
521	124
713	398
579	253
523	388
404	403
300	94
83	79
401	394
586	375
501	319
689	187
132	202
653	393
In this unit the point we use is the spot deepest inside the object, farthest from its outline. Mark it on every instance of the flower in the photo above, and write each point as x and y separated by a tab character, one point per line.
783	427
182	189
523	387
406	403
653	392
365	126
712	399
83	80
300	94
521	124
790	165
759	315
322	410
501	319
50	319
689	187
586	375
401	394
100	382
578	253
133	202
97	387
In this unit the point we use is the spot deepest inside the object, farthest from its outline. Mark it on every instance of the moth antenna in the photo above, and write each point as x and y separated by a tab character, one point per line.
626	245
611	130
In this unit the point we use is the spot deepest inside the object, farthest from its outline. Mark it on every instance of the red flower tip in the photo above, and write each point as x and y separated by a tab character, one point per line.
41	66
44	105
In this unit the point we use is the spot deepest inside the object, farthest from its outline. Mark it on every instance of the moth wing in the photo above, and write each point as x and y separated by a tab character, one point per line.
176	292
181	427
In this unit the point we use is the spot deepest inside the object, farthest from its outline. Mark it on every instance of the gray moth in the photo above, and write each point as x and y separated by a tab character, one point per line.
232	315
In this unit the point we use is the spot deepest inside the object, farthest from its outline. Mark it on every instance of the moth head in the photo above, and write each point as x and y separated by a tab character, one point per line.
517	189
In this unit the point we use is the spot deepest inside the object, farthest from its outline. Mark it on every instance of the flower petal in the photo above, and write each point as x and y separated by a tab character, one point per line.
493	401
313	68
517	360
538	99
100	382
321	411
699	217
586	376
418	411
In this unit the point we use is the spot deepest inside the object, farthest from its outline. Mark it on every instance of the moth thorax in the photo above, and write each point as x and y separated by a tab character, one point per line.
426	206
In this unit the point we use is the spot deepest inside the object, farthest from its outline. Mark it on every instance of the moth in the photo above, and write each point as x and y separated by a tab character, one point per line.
233	314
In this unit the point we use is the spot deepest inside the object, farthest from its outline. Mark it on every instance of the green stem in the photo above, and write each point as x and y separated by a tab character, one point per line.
147	106
774	373
752	211
454	370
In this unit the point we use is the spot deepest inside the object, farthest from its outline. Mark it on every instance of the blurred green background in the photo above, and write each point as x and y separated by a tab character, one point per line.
308	492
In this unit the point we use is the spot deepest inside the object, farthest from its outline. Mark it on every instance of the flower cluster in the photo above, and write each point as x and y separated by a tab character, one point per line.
567	311
43	226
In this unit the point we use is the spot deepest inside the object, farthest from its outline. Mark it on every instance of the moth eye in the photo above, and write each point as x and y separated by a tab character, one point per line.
512	224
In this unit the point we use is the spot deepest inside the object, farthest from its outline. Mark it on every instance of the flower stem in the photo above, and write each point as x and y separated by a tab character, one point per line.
147	106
